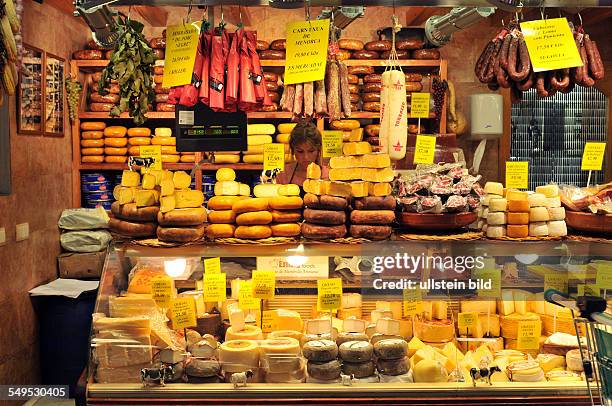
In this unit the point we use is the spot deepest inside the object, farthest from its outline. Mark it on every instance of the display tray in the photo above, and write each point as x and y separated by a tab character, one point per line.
263	241
467	236
525	239
437	222
589	222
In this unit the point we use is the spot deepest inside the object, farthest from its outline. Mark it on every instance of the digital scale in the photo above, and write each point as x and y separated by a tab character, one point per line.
199	129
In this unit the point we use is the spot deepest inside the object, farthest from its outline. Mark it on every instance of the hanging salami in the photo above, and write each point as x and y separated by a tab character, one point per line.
189	94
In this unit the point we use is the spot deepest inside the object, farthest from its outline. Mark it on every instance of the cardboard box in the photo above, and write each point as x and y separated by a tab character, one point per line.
77	265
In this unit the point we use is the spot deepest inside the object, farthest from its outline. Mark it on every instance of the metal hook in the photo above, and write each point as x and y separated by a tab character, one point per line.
129	12
542	13
580	18
240	13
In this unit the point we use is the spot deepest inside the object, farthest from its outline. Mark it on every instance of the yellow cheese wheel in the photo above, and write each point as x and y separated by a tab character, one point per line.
115	142
254	129
286	128
92	159
223	202
222	216
115	131
93	126
280	354
169	149
92	151
171	159
163	132
92	135
227	159
92	143
283	138
115	159
139	132
249	332
258	140
253	159
163	140
136	141
239	355
518	218
517	231
220	230
187	159
134	151
435	331
115	151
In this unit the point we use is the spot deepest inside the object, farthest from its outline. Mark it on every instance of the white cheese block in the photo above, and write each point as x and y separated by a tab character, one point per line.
553	202
557	228
538	214
506	305
548	190
539	229
227	188
353	326
350	300
239	355
236	318
496	219
499	204
537	200
556	213
495	188
379	314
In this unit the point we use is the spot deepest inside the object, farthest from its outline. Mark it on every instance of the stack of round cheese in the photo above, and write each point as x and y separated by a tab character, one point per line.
227	192
103	103
286	211
284	137
371	136
355	72
324	217
538	215
281	361
322	364
391	357
259	135
137	137
92	142
495	210
372	217
131	217
158	71
357	358
518	214
115	144
239	355
556	213
164	138
253	218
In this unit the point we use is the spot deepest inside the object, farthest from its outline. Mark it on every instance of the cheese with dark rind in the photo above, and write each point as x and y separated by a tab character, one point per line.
324	217
374	203
320	350
356	351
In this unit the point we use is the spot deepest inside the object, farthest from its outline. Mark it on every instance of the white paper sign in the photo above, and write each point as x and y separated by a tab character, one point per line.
296	267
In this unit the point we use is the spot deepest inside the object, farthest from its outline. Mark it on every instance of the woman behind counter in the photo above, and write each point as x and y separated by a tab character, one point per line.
306	143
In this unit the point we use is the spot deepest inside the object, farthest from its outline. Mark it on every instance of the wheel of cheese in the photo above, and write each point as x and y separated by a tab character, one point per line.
171	159
254	218
374	203
139	132
495	188
92	135
286	203
358	370
434	331
325	202
227	159
251	204
131	212
296	376
539	229
553	202
181	234
286	216
345	125
391	349
320	232
499	204
314	337
169	150
517	231
518	206
132	229
92	159
115	151
496	218
253	232
371	232
356	351
574	361
509	323
557	228
536	200
249	332
563	376
320	350
92	143
280	354
324	217
429	370
525	371
285	128
182	217
92	151
324	371
495	231
115	131
556	213
137	141
393	367
203	368
380	217
188	159
538	214
158	140
548	190
222	217
163	132
239	355
223	202
285	229
115	142
344	337
518	218
93	126
220	230
286	333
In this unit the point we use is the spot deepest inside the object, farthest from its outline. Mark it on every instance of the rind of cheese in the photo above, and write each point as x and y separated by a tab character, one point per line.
379	189
289	190
317	187
538	214
344	174
537	200
163	132
181	180
265	129
520	206
130	179
378	175
435	331
513	194
239	355
499	204
244	190
343	162
225	174
495	188
338	189
145	198
285	128
166	187
356	148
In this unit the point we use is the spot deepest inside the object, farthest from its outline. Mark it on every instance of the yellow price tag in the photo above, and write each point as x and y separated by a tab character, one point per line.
264	284
493	275
467	320
269	321
274	157
551	44
412	302
529	332
162	290
604	275
517	175
593	155
246	301
212	265
588	290
329	294
306	51
183	313
556	280
332	143
419	105
152	151
215	287
424	149
181	46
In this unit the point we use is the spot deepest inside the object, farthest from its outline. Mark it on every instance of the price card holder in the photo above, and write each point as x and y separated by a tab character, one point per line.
306	51
493	275
468	320
592	156
529	332
551	44
412	302
419	105
274	157
517	175
556	280
246	301
269	321
212	265
264	284
162	291
215	287
332	143
425	149
329	294
152	151
183	312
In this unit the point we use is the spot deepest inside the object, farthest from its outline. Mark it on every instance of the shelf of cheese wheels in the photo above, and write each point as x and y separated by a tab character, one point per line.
367	343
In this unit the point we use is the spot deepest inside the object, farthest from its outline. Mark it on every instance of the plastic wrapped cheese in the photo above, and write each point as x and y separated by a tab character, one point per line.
239	355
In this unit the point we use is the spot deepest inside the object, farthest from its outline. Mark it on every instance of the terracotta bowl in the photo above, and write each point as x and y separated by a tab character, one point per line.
589	222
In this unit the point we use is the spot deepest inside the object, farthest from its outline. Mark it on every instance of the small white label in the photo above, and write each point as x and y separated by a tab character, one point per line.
186	117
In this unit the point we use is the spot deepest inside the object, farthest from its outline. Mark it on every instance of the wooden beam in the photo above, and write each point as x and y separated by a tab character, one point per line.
412	14
154	16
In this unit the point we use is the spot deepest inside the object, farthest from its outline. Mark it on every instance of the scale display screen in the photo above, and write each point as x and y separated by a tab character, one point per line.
202	129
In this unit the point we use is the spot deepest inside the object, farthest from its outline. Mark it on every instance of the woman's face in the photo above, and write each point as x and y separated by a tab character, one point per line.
305	153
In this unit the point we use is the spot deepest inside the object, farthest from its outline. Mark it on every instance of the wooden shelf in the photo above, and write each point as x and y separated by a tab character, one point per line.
367	62
95	63
238	166
270	114
120	167
370	114
104	115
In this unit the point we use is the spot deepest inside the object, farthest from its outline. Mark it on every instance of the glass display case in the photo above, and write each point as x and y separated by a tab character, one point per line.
394	321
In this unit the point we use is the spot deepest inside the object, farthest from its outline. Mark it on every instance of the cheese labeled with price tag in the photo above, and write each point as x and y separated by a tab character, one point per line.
425	149
263	284
329	294
162	290
517	175
183	311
